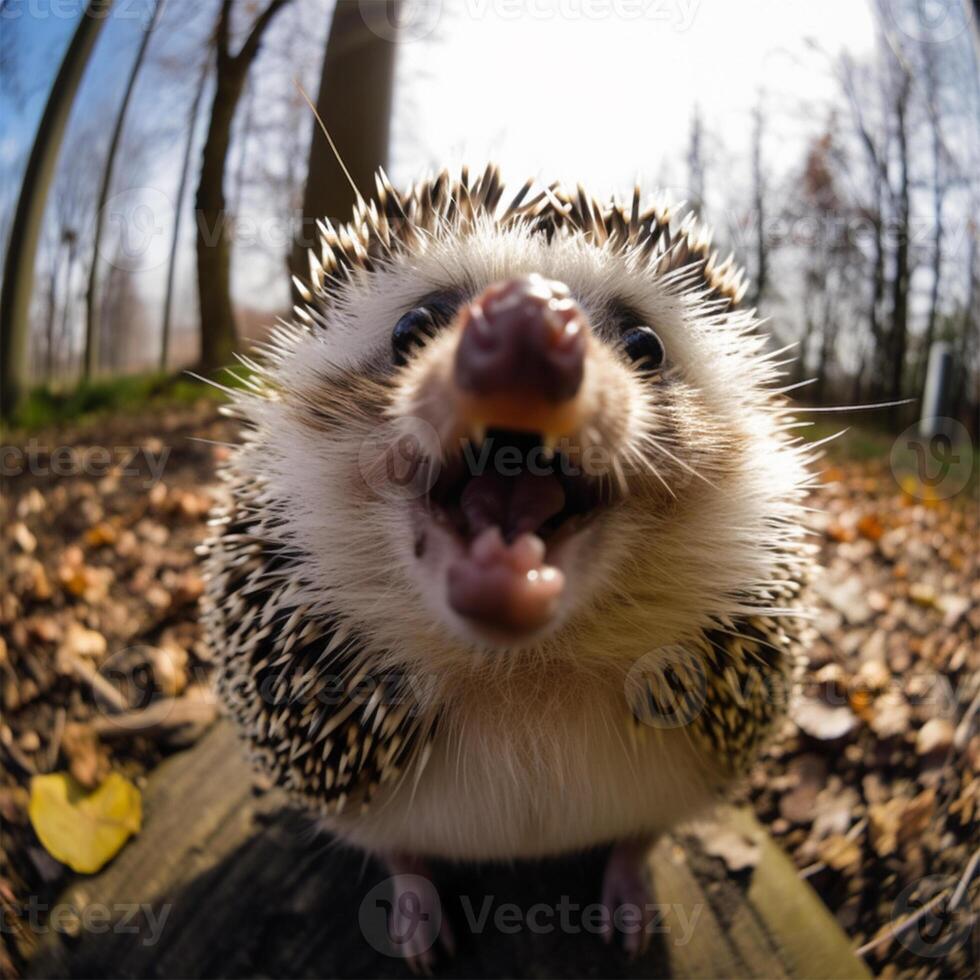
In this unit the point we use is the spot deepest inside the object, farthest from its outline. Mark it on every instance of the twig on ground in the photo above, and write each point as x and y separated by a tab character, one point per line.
962	735
161	717
99	686
18	757
902	926
54	743
968	875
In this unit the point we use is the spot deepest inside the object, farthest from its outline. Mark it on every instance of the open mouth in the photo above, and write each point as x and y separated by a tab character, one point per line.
510	501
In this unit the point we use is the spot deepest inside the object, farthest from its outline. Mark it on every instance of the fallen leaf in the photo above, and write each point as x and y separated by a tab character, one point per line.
870	527
890	716
839	852
954	608
83	642
739	852
101	534
884	819
848	597
84	830
823	721
935	736
25	540
923	594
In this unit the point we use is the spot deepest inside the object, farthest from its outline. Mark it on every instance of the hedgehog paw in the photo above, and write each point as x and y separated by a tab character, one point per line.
627	895
415	921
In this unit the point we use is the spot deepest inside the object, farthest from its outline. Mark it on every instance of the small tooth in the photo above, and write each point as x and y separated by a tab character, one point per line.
488	546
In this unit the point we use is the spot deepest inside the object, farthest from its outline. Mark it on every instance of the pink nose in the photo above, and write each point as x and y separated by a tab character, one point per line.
525	335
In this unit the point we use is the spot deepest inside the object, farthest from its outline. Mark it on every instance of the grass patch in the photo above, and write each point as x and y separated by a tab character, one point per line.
44	407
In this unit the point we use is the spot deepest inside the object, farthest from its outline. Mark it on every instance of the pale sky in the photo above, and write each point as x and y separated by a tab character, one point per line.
601	91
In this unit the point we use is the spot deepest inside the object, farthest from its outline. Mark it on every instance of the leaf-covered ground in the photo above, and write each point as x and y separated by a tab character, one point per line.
872	785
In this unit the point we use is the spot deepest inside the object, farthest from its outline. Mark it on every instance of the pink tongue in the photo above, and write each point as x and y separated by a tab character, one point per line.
515	504
508	585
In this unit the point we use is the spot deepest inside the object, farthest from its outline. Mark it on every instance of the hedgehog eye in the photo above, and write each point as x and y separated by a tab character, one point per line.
413	329
644	348
419	325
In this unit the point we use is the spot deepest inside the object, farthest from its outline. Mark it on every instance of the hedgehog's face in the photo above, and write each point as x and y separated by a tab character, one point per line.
492	435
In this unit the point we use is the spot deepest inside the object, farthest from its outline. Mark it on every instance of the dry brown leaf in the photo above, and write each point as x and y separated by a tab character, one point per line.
839	852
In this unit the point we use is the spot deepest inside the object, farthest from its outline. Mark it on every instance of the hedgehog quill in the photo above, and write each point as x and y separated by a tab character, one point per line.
515	484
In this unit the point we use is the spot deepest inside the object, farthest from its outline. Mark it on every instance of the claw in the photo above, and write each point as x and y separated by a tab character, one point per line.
416	923
627	896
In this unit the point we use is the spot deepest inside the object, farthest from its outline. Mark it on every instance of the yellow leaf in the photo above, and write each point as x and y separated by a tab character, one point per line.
84	830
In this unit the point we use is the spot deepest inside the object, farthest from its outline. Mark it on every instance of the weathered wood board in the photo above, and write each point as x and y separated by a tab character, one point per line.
224	881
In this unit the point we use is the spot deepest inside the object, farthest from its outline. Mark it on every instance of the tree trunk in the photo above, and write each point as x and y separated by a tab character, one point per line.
878	356
695	164
937	238
965	397
219	334
51	314
354	102
900	281
828	335
91	360
244	132
70	243
185	169
18	273
758	196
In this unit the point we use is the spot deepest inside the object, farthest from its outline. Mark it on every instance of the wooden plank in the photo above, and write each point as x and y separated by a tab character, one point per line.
810	941
697	944
227	882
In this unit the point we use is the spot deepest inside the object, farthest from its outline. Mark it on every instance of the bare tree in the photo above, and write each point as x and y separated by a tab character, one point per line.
18	274
91	360
219	334
873	142
759	191
830	259
898	334
354	102
696	167
185	170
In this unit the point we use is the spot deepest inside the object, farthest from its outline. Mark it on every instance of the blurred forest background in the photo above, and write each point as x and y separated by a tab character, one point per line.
835	150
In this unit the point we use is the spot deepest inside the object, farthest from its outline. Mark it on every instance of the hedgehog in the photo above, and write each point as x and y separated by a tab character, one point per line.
511	555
